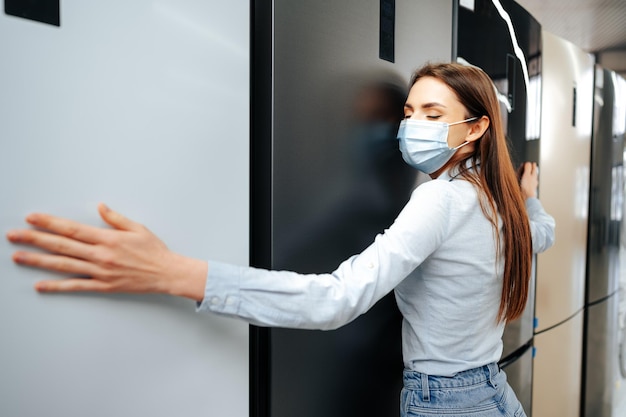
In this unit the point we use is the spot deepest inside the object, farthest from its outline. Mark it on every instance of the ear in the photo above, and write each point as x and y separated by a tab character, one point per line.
478	129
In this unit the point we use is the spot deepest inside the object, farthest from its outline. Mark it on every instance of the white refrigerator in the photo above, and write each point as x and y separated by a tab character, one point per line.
142	105
564	191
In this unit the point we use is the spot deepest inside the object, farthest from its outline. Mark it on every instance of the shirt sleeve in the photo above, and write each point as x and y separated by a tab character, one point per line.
542	225
328	301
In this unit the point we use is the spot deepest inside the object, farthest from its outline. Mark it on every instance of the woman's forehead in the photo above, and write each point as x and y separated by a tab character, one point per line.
429	92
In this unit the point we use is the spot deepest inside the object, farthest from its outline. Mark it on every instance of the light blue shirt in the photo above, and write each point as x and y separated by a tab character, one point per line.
439	256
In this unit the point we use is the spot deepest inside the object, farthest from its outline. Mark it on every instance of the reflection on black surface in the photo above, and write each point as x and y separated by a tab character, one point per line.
359	198
375	187
511	55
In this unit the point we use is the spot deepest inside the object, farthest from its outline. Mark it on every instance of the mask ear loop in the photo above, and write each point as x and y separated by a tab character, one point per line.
471	119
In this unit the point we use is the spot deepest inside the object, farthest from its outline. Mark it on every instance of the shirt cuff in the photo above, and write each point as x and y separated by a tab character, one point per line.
533	204
221	292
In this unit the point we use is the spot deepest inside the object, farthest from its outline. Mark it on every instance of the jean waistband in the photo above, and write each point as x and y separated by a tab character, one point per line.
416	380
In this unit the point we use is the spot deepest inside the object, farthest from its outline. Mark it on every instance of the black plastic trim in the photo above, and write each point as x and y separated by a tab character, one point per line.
44	11
261	68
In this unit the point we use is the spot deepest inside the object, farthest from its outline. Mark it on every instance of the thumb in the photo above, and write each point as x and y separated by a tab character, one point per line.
115	219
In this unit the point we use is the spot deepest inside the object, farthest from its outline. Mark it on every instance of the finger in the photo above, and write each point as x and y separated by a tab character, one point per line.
528	167
57	263
523	171
51	242
72	285
116	219
65	227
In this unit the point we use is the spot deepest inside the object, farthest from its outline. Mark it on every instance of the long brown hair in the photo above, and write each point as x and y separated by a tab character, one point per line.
496	180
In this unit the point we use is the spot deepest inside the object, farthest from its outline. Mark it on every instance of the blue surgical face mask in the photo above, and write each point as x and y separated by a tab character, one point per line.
424	144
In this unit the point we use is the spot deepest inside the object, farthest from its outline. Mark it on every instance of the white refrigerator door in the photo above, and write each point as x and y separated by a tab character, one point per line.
142	105
564	178
557	370
564	184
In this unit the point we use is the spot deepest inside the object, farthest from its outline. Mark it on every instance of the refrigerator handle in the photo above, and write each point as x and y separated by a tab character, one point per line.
574	106
511	63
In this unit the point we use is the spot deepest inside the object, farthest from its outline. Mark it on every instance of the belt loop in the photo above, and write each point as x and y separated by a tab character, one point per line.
493	371
425	389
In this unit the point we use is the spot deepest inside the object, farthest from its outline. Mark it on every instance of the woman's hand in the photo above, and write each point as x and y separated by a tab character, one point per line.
529	179
128	258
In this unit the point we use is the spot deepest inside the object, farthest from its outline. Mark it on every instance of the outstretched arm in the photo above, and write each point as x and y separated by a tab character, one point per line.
127	258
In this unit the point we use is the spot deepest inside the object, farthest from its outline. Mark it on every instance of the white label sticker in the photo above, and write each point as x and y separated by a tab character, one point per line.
468	4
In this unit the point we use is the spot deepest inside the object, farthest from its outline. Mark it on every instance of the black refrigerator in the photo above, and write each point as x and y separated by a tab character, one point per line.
601	337
329	80
504	40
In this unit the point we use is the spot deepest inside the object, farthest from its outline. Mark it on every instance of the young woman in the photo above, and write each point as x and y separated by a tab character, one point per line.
458	256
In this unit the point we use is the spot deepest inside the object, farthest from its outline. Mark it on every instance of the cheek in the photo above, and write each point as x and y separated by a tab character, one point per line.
457	137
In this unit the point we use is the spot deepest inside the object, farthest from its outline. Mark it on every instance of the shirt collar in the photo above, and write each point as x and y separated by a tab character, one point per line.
456	170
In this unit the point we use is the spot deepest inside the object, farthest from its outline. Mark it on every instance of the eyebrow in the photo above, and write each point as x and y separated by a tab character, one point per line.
425	105
432	104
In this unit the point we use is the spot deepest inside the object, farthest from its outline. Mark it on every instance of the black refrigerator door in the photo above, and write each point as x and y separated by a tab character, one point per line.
606	198
606	192
601	356
329	84
518	368
504	40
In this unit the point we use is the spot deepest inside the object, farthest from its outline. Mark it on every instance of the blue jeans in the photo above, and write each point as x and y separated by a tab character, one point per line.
479	392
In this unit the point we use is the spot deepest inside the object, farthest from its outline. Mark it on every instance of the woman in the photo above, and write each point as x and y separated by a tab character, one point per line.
458	256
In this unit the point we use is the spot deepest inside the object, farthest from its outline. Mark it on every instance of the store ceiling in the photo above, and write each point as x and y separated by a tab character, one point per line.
596	26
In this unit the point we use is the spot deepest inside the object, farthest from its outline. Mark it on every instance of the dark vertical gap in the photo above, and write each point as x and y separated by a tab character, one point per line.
590	246
583	375
455	31
261	57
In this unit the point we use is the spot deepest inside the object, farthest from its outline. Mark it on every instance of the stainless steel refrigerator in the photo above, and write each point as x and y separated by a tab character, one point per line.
329	83
504	40
600	351
566	121
141	105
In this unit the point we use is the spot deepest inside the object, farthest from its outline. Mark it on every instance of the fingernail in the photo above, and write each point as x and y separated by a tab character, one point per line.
18	257
40	286
12	235
105	207
31	218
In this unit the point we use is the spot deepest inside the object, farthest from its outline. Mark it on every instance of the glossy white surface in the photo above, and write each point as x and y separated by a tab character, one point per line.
142	105
564	178
557	370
